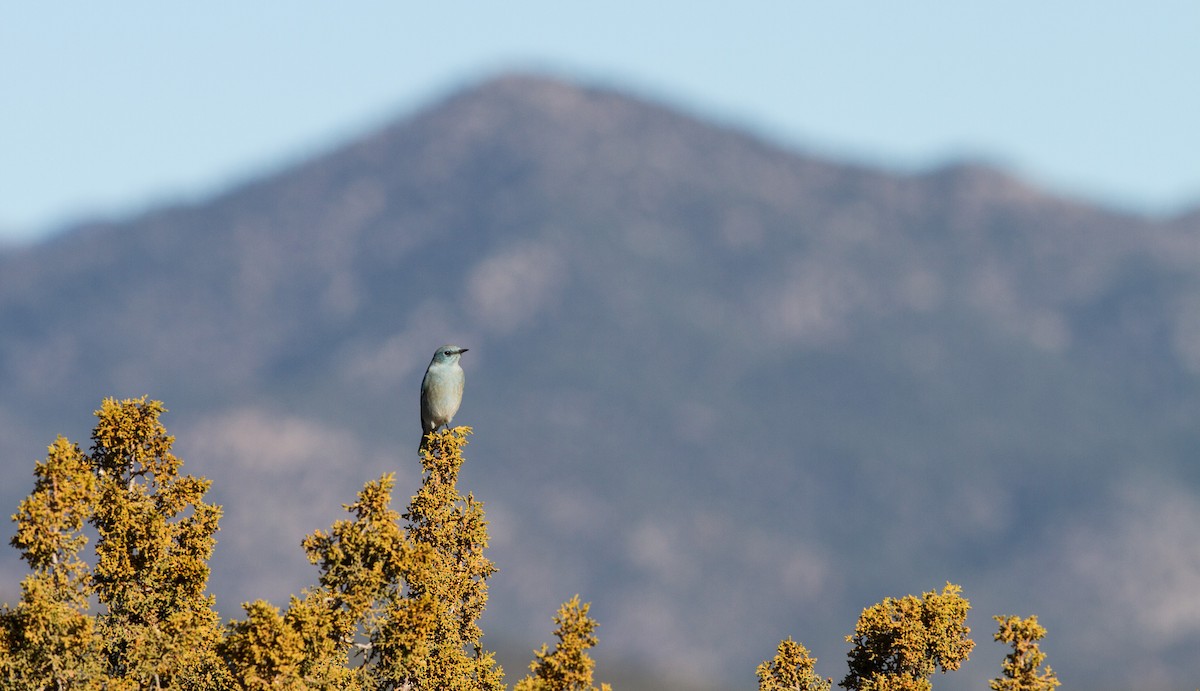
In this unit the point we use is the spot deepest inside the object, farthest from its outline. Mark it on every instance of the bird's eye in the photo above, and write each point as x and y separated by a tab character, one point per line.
445	352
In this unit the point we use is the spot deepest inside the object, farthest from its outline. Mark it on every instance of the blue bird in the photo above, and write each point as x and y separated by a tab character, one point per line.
441	389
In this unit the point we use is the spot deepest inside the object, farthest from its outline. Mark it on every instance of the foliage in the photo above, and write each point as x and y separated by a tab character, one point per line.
404	602
437	642
791	670
396	606
265	651
155	535
568	667
154	538
1021	666
898	644
49	637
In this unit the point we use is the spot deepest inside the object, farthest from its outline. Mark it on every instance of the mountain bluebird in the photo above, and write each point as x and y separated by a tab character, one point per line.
441	389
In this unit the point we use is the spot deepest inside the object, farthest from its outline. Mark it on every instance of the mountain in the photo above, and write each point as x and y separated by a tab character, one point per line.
727	391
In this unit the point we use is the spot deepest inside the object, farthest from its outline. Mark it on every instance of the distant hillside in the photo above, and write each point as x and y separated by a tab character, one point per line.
726	391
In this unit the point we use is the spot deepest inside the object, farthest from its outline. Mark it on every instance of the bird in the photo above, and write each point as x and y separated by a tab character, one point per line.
441	389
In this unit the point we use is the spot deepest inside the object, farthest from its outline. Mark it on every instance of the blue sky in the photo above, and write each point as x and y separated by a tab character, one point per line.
113	107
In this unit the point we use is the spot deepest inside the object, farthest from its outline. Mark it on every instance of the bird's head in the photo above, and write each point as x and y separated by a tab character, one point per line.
448	354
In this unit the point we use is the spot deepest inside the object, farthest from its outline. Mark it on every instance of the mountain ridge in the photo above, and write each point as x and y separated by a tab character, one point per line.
527	82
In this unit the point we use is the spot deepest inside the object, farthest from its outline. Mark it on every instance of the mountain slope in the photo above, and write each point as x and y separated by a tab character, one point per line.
727	391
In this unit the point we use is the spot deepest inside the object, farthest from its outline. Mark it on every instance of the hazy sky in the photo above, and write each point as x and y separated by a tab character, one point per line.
110	107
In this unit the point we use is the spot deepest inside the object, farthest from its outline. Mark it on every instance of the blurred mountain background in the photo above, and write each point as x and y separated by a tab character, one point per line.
727	391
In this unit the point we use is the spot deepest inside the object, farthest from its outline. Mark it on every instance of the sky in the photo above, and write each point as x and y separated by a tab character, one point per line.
113	108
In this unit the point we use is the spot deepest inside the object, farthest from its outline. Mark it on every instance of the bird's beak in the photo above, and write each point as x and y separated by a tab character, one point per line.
464	350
